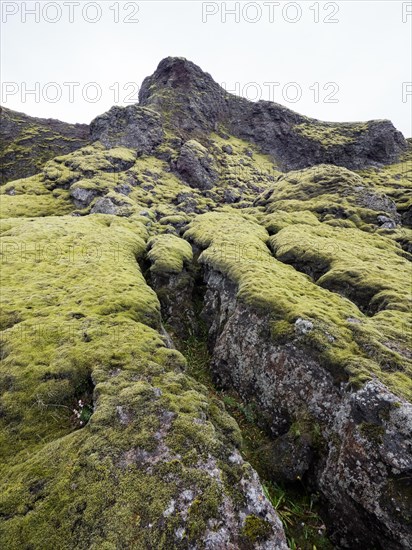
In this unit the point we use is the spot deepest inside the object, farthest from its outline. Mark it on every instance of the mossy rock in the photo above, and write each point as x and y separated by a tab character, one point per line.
105	442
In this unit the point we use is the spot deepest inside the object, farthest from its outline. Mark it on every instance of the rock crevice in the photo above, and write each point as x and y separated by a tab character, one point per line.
355	442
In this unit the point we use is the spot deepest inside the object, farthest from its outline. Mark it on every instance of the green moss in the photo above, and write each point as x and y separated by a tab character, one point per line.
23	206
168	254
256	528
279	219
202	509
333	194
373	432
30	197
347	341
243	173
330	134
146	430
369	267
282	331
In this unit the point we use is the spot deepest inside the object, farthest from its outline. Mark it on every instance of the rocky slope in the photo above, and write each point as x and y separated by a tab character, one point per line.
27	143
285	240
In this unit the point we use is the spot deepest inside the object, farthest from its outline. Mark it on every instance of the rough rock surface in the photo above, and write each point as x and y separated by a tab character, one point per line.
196	103
133	126
193	100
364	467
196	166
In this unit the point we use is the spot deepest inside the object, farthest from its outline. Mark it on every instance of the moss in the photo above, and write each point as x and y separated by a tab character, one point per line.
30	197
256	528
146	430
23	206
373	432
330	134
243	173
168	254
333	194
202	509
369	266
282	331
281	219
347	341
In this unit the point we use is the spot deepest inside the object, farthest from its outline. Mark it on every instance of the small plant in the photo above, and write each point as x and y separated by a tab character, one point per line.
82	412
304	527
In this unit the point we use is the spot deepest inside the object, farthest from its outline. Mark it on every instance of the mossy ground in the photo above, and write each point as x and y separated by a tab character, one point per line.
333	194
145	183
80	324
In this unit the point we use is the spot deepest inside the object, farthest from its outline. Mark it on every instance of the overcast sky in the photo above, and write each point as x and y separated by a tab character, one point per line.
341	61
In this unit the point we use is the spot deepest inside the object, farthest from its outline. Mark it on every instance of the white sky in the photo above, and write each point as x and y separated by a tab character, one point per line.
366	54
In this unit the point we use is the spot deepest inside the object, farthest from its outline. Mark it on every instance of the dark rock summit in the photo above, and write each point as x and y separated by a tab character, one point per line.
190	98
195	103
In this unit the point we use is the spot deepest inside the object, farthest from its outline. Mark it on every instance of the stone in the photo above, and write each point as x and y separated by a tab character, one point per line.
104	206
134	127
303	326
368	431
83	197
385	222
196	166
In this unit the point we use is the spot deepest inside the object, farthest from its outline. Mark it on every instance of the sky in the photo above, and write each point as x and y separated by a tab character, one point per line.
336	61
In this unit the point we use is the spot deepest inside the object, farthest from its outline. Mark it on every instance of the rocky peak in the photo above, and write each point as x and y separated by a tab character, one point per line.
179	74
192	105
188	96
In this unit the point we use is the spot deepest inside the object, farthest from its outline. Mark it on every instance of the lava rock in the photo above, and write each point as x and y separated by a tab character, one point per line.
386	223
196	166
104	206
228	149
27	143
133	126
83	197
196	104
